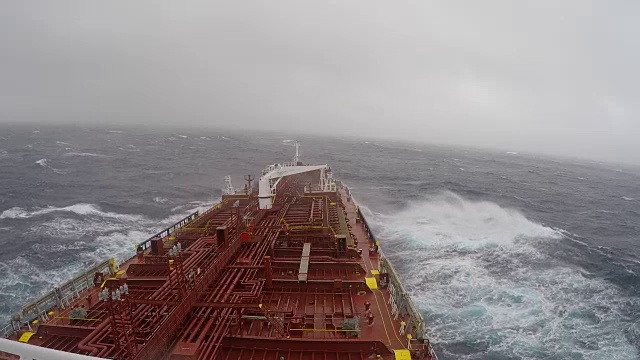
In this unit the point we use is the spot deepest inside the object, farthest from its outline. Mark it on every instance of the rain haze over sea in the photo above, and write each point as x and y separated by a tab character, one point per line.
508	255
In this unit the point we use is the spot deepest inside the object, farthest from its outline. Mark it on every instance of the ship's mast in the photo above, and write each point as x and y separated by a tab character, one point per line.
229	190
272	175
296	158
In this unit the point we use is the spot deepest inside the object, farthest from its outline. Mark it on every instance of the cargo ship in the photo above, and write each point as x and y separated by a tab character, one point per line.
286	270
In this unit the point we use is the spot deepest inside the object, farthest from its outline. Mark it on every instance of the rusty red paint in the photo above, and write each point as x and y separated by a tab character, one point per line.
234	291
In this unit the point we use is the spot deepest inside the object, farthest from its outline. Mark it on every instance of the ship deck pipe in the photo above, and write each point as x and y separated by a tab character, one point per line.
204	313
93	339
90	342
192	260
207	312
218	332
206	353
249	252
85	345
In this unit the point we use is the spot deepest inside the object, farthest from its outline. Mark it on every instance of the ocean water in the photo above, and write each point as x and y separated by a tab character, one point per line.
509	256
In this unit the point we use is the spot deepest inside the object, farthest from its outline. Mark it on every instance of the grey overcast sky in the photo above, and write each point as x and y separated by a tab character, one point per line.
548	76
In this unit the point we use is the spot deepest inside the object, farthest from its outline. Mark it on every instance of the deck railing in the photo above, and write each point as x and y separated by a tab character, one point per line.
170	230
401	302
64	295
367	228
6	330
60	296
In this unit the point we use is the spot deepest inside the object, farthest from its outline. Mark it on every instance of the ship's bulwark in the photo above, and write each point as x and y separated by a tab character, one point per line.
489	282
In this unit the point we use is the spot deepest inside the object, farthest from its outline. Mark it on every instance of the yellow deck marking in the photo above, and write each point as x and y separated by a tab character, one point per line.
375	272
24	338
402	354
386	309
375	296
371	282
370	268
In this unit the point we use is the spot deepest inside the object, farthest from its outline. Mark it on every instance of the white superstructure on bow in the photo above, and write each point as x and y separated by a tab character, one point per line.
273	174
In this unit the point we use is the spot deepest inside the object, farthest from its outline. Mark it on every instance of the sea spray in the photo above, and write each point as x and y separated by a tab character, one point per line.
477	271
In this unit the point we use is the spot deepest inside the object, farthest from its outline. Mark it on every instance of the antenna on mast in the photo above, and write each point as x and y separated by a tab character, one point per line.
249	186
229	186
296	159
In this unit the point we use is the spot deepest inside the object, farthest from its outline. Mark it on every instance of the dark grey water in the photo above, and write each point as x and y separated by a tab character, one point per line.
509	256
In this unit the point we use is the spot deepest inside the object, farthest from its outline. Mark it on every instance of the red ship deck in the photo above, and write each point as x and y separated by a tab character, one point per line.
284	283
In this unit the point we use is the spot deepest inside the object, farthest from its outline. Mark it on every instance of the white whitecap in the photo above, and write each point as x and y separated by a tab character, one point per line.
83	154
45	164
79	209
114	235
479	271
67	228
129	148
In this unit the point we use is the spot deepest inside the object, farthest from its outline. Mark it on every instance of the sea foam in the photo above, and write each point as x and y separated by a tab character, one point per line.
478	272
79	209
45	164
83	154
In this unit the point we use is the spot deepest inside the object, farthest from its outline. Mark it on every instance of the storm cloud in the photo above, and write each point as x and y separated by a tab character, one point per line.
545	76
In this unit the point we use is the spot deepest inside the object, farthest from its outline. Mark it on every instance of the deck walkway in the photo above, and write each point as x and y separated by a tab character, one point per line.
391	327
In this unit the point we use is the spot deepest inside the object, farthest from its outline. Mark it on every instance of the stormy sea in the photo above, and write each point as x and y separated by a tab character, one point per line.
508	256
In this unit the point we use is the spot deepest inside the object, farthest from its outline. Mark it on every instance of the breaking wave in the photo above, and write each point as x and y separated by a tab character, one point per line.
65	228
45	164
489	290
20	274
79	209
194	205
83	154
129	148
79	243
